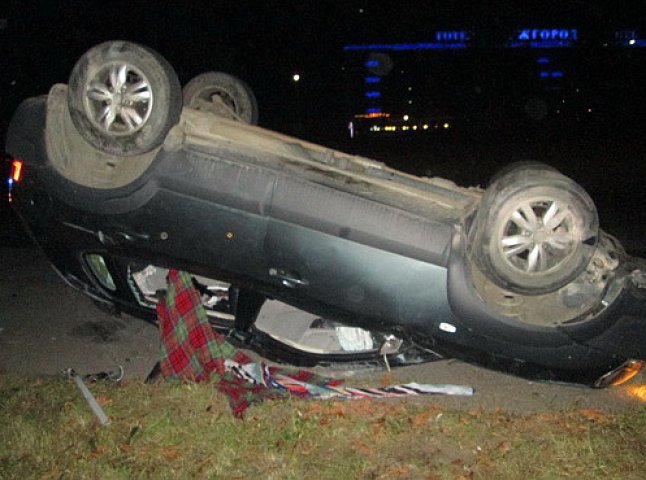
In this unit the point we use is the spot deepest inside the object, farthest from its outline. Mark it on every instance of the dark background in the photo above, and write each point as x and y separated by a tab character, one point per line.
265	43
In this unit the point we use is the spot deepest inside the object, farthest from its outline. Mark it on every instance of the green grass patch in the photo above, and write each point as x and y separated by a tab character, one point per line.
187	431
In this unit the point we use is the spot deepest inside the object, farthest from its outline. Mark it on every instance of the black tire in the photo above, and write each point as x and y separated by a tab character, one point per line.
526	165
123	98
535	230
222	94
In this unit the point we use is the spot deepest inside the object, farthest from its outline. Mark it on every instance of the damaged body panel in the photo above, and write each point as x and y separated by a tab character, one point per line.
517	277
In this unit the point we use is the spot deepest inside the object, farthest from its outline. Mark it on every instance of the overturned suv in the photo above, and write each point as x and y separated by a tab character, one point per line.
308	254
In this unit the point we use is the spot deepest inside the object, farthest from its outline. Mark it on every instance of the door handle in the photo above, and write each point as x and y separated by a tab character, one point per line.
132	236
288	279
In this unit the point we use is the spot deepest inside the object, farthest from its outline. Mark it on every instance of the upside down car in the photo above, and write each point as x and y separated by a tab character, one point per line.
124	175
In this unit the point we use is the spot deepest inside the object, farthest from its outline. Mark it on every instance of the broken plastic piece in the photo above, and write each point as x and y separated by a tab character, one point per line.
391	345
445	389
94	406
353	339
114	375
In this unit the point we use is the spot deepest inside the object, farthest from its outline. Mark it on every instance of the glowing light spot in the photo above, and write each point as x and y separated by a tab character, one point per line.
447	327
229	235
372	115
446	125
16	170
406	118
637	391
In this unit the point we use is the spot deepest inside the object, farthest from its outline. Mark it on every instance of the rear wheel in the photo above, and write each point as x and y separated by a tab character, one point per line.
535	230
123	98
222	94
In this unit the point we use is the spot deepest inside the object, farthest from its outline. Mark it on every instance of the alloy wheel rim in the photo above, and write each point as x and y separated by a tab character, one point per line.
538	236
118	99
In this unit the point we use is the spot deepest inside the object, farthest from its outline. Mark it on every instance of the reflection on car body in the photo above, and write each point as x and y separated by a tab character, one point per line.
517	277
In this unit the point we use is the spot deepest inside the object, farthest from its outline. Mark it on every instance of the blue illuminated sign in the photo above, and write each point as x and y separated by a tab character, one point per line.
373	79
548	34
452	36
373	94
554	74
404	46
545	37
445	39
373	110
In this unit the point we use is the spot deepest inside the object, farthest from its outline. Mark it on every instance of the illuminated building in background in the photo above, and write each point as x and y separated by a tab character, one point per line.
461	78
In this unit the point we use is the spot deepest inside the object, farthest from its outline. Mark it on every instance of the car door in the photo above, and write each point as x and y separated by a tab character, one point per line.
351	281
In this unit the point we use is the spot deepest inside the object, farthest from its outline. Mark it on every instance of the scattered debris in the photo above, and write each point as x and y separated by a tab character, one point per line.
391	345
114	375
193	350
94	406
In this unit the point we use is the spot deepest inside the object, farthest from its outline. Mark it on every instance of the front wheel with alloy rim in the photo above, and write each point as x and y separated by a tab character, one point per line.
535	231
123	98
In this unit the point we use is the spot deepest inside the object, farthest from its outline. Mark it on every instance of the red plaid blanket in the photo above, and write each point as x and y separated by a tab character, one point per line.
192	350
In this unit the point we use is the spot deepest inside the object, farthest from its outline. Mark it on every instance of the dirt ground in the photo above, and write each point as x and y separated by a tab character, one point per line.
46	326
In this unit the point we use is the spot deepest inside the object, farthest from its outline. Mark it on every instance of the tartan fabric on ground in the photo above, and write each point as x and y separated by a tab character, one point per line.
191	350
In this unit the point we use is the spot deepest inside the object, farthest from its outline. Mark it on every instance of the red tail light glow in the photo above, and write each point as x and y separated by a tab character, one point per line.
16	170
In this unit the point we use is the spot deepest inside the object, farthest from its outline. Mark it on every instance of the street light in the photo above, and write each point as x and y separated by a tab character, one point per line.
297	112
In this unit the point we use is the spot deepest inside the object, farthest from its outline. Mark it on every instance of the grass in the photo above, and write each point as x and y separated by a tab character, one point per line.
183	431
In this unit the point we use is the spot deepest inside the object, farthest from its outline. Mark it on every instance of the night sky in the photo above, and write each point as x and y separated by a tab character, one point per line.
264	43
